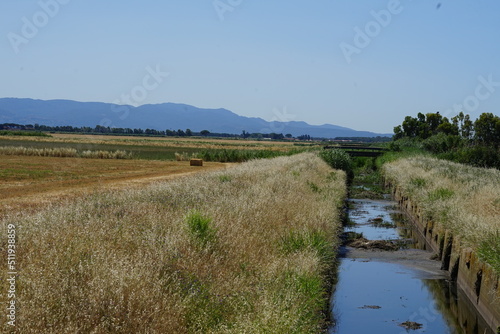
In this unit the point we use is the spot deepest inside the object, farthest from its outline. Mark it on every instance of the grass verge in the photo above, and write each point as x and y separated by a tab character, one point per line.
248	249
462	198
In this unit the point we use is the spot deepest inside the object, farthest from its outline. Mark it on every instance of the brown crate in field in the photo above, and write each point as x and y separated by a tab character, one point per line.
196	162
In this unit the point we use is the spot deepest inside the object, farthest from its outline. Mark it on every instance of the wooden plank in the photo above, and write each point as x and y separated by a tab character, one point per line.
344	147
364	153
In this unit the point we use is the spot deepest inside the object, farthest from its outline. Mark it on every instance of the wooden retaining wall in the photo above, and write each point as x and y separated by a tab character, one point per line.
477	279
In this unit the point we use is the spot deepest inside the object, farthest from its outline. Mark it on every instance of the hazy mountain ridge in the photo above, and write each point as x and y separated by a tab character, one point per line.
156	116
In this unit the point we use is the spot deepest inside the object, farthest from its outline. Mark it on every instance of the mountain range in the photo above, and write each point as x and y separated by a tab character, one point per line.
162	116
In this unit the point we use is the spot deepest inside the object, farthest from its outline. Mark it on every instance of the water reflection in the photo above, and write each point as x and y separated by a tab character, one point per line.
373	296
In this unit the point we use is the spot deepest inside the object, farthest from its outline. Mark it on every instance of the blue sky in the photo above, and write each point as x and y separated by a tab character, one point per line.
359	64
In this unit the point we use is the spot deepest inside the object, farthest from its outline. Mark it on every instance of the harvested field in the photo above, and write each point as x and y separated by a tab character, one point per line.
27	182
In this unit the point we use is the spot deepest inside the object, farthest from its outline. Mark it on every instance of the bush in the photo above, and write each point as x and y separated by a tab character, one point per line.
338	159
479	156
442	143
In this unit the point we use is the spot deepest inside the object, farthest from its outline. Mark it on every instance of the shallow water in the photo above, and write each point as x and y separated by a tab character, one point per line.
376	297
364	211
376	293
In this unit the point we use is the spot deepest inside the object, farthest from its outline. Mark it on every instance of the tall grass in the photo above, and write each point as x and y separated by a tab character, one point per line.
462	198
63	152
235	155
246	250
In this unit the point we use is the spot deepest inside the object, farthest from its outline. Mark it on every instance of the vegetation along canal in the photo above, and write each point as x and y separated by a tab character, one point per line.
388	281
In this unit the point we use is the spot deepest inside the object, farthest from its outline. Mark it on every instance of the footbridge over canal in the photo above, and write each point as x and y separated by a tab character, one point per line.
358	150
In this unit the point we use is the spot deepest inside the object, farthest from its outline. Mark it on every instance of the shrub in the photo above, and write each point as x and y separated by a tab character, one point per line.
442	143
338	159
479	156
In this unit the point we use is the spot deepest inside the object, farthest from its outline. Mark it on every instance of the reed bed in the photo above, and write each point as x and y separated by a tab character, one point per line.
462	198
63	152
250	249
233	155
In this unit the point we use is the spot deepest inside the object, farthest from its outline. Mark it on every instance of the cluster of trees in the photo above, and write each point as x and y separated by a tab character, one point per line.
14	126
108	130
459	139
272	135
485	130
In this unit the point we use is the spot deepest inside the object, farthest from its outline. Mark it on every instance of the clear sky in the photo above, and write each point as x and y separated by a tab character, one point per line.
362	64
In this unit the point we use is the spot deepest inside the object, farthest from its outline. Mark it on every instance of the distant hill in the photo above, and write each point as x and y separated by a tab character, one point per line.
157	116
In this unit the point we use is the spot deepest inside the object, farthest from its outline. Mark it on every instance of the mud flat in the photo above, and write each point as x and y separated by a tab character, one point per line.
475	278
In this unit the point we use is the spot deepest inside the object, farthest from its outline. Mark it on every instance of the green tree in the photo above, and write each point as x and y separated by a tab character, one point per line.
487	129
398	132
447	128
410	126
433	121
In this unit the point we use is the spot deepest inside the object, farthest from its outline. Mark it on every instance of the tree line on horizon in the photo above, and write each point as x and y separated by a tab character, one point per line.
458	139
99	129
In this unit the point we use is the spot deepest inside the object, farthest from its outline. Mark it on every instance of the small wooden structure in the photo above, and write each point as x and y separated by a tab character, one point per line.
196	162
359	150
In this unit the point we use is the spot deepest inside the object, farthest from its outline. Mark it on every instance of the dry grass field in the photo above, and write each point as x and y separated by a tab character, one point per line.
249	249
27	182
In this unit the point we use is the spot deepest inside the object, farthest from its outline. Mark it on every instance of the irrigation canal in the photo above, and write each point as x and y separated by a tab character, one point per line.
402	290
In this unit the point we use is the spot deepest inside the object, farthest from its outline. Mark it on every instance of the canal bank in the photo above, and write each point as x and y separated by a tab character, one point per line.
391	280
475	278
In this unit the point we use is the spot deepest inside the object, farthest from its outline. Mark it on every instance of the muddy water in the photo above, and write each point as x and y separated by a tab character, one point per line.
401	291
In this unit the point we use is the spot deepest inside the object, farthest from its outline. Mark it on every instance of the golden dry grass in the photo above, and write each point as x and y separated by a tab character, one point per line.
464	199
244	250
